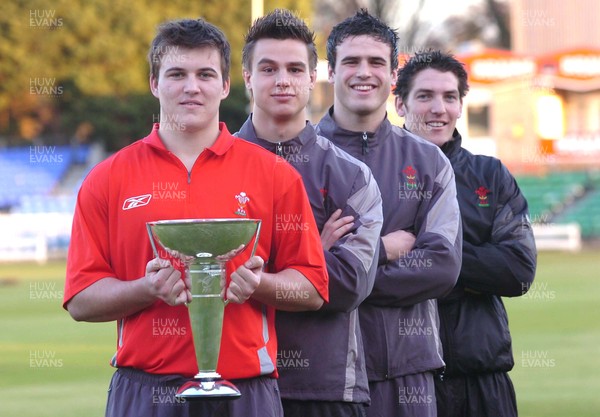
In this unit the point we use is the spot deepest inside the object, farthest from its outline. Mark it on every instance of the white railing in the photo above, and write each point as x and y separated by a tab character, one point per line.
557	236
34	236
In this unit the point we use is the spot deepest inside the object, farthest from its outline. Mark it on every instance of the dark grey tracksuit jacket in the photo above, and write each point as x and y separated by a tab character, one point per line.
320	354
399	320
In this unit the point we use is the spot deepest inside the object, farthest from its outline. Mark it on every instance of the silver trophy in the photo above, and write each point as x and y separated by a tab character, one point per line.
204	246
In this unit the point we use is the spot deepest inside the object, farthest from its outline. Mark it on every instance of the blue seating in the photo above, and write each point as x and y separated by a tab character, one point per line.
34	170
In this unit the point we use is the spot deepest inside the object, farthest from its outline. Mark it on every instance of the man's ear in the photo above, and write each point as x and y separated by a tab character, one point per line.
330	75
394	77
153	85
226	87
399	104
246	75
313	78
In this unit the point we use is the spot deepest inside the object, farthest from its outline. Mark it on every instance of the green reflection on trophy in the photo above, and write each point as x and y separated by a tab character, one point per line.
205	246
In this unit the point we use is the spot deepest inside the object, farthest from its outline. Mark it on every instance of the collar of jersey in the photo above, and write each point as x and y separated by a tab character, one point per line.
222	144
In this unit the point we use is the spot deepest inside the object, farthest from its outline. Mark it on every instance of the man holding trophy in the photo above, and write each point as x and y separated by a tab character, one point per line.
190	167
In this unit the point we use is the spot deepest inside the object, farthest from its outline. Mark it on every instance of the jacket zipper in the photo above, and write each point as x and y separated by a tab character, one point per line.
279	149
365	143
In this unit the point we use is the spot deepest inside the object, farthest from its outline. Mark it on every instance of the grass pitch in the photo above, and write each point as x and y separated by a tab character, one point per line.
51	365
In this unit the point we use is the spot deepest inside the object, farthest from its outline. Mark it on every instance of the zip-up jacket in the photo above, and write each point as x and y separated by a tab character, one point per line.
499	259
399	319
320	354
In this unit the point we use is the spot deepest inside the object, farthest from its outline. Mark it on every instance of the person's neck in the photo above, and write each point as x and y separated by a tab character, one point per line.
277	130
354	122
188	144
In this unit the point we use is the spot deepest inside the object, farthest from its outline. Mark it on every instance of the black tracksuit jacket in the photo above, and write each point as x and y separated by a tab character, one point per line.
499	260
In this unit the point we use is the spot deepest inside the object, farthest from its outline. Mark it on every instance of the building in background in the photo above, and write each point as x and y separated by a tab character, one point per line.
537	107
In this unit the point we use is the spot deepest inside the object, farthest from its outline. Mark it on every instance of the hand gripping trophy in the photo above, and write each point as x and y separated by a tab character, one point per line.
205	246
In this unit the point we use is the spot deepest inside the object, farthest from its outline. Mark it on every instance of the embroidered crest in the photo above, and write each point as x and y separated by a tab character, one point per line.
242	201
411	177
482	192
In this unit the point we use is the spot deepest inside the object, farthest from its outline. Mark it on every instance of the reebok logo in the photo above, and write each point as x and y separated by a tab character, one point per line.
139	201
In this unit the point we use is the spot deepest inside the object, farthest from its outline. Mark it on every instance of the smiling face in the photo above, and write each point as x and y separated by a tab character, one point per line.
280	80
432	106
190	88
362	77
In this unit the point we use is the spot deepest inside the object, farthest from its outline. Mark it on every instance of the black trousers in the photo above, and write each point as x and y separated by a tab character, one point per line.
133	393
293	408
478	395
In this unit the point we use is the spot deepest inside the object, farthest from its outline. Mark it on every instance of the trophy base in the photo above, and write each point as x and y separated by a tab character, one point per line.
208	386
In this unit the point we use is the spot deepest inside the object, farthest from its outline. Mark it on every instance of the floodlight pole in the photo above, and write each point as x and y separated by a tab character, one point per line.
257	9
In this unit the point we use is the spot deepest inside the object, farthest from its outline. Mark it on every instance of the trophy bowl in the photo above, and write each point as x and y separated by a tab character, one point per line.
204	246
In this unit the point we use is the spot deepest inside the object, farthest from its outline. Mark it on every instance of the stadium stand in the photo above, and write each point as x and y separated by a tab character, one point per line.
38	189
565	198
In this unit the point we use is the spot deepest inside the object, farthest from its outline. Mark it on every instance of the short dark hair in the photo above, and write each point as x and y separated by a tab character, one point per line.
188	33
362	23
434	59
280	24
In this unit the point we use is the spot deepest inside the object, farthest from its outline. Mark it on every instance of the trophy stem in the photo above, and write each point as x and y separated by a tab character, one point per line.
206	312
206	317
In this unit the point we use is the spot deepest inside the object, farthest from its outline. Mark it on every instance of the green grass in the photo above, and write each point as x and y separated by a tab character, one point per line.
53	366
556	338
50	365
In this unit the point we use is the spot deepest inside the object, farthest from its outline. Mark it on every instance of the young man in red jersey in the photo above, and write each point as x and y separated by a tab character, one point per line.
110	271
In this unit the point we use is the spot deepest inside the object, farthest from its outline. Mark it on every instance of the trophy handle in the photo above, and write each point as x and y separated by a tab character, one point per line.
256	236
149	229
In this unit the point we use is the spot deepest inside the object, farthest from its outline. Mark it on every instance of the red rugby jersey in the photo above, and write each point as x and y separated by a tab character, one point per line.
145	182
